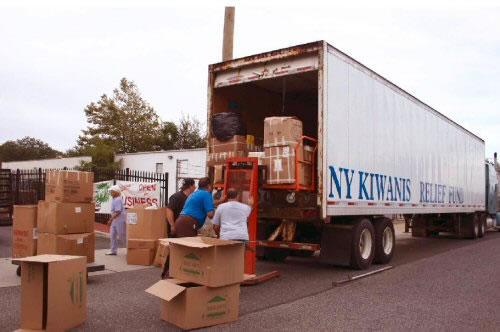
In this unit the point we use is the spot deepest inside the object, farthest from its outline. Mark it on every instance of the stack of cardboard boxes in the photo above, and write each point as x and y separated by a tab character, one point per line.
236	146
281	144
24	231
144	227
66	218
206	288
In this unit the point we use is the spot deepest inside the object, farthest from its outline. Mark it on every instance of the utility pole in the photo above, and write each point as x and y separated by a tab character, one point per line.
227	43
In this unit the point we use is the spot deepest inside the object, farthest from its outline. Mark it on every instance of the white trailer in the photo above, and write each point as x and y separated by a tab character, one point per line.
381	151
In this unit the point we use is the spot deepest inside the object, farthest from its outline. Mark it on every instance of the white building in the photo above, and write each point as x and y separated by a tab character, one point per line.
46	163
179	164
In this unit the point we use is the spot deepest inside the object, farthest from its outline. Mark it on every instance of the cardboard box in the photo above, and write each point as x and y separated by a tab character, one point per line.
141	244
191	306
24	231
69	244
207	261
53	292
219	158
219	174
280	163
66	218
147	224
282	171
161	253
235	143
282	130
140	256
69	186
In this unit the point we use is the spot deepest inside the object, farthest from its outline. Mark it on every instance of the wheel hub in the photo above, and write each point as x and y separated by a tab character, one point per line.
387	240
365	244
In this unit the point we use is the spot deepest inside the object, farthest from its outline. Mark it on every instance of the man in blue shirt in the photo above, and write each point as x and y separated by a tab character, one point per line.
199	205
117	220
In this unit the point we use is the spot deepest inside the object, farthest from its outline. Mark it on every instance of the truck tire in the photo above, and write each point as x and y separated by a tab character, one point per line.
475	226
482	225
363	244
385	240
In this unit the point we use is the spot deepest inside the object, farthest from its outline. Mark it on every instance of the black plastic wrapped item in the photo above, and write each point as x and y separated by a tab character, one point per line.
227	124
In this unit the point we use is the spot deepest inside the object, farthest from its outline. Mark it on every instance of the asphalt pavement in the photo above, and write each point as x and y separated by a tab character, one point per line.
435	284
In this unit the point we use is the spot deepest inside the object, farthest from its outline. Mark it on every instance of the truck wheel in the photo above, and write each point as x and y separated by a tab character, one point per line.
475	226
481	226
385	240
363	244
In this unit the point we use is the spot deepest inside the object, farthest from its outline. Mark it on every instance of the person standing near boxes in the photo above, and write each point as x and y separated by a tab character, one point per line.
117	220
199	205
230	220
176	204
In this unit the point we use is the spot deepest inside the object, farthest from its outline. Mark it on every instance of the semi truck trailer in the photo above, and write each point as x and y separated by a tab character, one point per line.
380	151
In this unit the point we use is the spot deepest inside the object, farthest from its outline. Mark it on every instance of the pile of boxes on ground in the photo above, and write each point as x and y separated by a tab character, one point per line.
205	289
60	230
61	224
282	147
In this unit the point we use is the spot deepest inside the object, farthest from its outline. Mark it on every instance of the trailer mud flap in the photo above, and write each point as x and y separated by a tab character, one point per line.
336	246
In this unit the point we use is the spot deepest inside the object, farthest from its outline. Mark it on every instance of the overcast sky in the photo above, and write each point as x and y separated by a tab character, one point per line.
56	59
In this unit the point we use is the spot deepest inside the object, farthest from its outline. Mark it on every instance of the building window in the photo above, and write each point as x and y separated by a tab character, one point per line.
159	167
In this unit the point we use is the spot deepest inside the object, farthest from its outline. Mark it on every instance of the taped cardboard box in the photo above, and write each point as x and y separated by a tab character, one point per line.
53	292
141	244
234	144
140	256
69	186
190	306
219	173
161	253
281	130
66	218
281	170
147	224
207	261
69	244
220	158
24	231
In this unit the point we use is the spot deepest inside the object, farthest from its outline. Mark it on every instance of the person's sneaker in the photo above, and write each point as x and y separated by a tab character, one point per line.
111	253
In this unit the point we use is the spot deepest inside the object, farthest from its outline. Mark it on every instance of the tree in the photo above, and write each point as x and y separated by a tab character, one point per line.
124	122
191	134
102	157
169	136
27	148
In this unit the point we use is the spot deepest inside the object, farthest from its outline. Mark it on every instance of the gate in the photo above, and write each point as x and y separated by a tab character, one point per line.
5	197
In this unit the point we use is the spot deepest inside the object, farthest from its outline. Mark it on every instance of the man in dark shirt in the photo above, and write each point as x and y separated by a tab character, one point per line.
176	203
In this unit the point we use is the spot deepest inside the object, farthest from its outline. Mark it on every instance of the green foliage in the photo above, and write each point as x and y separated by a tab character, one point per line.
124	122
102	157
27	148
169	136
187	134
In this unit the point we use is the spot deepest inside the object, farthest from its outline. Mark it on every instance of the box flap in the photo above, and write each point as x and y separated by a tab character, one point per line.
46	258
201	242
166	289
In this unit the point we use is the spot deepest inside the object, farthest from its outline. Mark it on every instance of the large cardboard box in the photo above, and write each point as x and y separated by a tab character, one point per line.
53	292
141	244
219	174
147	224
282	130
69	186
235	143
24	231
66	218
207	261
280	163
219	158
191	306
161	253
69	244
140	256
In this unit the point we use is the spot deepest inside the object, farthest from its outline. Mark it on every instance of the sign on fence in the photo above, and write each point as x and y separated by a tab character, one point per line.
147	193
102	196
